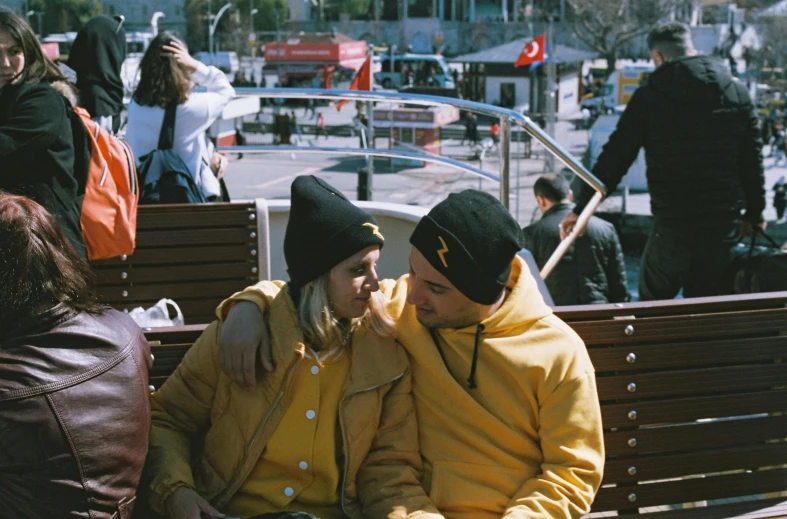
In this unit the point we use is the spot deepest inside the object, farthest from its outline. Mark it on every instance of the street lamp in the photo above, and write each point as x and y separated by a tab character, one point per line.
154	22
278	57
212	27
38	14
252	34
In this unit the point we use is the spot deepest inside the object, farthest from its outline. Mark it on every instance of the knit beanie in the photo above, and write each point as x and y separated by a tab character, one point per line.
471	239
324	229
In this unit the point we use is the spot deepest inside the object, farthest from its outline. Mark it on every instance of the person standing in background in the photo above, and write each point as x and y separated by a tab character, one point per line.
97	57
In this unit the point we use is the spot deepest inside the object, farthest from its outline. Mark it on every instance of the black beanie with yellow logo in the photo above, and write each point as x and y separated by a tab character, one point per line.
324	229
471	239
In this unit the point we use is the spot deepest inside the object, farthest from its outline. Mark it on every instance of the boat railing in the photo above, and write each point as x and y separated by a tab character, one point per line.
508	120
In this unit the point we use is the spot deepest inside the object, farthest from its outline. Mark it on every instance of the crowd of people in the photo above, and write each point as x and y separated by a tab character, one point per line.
452	392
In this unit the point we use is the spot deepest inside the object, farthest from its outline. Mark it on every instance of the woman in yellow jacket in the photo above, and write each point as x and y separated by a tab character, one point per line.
332	430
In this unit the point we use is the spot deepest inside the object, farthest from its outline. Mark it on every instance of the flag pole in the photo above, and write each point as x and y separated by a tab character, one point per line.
551	96
370	120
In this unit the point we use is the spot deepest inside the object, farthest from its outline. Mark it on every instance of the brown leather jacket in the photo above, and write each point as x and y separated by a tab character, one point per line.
74	415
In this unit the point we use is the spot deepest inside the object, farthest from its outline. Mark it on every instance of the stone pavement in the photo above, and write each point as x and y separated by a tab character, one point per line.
269	175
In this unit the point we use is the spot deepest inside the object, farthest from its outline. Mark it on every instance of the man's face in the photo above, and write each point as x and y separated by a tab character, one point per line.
438	303
657	57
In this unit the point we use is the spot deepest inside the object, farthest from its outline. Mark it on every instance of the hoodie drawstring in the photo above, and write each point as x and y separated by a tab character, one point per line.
471	380
471	383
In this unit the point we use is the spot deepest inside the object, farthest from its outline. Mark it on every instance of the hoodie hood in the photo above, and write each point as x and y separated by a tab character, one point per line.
97	56
523	306
702	82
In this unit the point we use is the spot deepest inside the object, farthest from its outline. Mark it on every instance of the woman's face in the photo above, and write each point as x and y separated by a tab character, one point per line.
12	59
352	282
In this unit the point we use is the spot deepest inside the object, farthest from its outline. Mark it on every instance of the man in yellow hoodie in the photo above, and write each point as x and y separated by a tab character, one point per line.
505	393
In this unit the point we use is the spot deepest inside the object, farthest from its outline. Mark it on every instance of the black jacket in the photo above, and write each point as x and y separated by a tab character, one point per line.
591	271
97	56
37	157
702	147
74	415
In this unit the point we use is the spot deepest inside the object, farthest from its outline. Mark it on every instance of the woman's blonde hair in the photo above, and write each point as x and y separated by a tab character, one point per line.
321	328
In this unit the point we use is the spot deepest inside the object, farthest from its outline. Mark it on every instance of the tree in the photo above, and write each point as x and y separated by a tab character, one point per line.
608	26
64	15
228	29
773	30
354	8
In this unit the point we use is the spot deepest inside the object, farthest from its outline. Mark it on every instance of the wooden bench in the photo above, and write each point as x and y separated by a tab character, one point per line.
196	255
693	395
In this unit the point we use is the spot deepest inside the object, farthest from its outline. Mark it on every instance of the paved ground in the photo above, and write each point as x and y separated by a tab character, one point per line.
269	175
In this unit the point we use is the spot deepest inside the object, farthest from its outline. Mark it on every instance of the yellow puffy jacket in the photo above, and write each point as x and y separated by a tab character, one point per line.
527	443
198	403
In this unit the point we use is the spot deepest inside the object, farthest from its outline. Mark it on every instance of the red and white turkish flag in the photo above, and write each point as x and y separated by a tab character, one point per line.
361	81
533	52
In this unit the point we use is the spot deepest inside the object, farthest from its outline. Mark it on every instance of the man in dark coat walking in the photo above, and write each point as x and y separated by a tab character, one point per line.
704	158
592	270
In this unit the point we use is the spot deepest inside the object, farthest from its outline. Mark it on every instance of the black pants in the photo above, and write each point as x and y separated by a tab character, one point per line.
692	255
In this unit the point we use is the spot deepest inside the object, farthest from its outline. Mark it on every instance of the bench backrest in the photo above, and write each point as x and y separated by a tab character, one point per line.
693	395
196	255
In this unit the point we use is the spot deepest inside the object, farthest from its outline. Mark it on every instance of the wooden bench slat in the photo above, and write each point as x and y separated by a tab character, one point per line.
175	291
167	274
196	254
190	307
689	490
187	237
177	334
661	329
234	217
687	354
691	382
679	410
691	306
647	468
751	509
703	435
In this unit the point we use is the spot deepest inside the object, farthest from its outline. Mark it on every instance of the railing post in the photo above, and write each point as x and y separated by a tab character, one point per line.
505	162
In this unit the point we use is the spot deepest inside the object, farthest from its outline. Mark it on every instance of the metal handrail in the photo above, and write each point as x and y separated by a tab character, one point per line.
377	152
505	115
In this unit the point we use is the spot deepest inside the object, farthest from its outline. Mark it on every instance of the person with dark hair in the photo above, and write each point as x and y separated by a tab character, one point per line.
699	130
592	270
167	74
780	199
96	56
74	404
704	154
332	432
39	152
504	391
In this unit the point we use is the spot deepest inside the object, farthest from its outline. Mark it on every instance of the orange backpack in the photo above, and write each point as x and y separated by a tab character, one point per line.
109	209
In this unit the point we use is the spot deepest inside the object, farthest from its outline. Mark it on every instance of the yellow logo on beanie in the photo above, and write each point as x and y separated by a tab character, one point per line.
441	252
375	230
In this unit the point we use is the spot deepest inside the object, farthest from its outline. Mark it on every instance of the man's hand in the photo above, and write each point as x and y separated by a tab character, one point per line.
567	225
749	229
185	503
244	333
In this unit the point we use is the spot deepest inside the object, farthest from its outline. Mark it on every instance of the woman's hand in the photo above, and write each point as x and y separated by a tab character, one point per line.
181	56
185	503
219	163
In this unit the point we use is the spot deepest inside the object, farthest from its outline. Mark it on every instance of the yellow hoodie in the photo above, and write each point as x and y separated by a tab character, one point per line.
527	442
